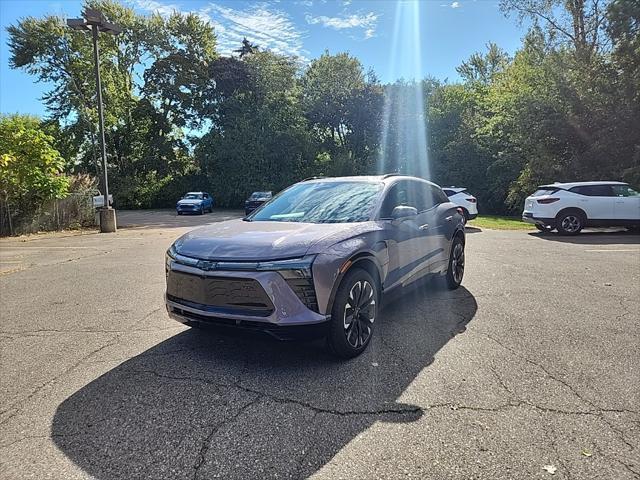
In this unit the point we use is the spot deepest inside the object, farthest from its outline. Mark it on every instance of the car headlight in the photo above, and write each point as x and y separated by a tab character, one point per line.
292	268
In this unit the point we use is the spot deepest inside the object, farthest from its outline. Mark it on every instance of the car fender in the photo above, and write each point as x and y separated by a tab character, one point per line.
330	268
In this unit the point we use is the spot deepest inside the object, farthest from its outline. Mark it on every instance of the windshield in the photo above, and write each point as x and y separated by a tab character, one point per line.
193	196
322	202
260	195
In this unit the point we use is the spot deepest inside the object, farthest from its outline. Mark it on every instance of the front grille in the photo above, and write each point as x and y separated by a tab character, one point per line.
232	295
306	292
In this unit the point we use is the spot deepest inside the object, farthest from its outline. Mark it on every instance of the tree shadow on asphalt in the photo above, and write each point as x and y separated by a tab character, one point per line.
593	237
203	405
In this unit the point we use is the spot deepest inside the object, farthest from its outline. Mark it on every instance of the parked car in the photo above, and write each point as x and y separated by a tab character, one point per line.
98	199
195	202
569	207
462	198
317	257
255	200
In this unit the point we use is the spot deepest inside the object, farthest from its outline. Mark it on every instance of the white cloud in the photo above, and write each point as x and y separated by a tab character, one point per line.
455	5
367	23
162	9
268	28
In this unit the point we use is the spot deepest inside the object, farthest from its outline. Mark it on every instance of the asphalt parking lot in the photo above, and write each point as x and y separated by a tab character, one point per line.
528	371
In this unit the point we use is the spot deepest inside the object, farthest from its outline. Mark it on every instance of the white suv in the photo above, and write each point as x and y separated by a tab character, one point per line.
462	198
568	207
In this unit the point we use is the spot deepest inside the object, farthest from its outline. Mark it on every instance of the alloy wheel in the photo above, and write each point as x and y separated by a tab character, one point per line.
359	313
571	223
457	263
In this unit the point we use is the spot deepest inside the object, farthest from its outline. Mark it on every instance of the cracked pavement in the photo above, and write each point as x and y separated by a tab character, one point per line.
533	363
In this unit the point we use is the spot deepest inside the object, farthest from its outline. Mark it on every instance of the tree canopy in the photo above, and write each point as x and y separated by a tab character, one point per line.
179	116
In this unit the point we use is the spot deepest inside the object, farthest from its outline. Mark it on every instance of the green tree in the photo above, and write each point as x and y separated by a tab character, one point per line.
30	168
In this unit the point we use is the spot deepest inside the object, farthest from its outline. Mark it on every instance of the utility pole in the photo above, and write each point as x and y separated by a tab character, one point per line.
95	22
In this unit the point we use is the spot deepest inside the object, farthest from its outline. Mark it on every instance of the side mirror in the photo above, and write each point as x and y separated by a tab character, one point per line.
403	212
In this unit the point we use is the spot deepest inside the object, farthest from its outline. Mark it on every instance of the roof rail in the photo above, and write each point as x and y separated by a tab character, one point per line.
387	175
313	178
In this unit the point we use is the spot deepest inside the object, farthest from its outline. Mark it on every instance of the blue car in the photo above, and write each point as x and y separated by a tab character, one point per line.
195	202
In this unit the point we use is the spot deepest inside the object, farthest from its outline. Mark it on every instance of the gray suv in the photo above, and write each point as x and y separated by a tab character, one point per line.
318	256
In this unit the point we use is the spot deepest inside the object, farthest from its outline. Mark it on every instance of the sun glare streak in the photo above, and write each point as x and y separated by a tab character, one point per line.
403	138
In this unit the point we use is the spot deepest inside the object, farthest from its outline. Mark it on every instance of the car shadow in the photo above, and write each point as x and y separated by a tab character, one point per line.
204	405
592	237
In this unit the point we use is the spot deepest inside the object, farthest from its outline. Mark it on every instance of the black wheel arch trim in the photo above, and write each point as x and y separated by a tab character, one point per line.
360	259
577	210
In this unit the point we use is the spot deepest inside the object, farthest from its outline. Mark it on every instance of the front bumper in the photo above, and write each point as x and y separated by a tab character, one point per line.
471	216
276	308
188	208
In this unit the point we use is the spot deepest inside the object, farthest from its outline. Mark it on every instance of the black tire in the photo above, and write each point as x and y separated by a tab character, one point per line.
179	213
544	228
348	340
570	222
455	268
465	214
201	209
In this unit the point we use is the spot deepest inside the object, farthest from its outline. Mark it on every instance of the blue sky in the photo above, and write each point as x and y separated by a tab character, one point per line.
440	35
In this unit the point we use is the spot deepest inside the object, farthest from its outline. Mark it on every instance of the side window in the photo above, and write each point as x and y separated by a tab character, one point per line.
448	192
593	190
428	196
206	196
624	191
398	194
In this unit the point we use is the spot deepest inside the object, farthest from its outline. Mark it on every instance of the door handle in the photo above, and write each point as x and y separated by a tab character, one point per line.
449	218
423	227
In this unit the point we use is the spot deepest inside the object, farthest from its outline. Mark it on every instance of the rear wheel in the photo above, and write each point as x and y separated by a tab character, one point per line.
179	213
353	314
455	270
570	223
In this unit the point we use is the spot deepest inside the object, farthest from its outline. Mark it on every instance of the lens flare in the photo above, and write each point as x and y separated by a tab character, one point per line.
403	139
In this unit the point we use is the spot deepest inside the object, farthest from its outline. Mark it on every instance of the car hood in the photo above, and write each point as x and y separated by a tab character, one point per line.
253	241
189	201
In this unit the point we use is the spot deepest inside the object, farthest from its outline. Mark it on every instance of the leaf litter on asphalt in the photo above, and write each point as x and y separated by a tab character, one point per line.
550	469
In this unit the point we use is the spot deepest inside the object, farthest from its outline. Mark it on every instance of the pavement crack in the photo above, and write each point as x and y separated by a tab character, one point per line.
51	381
206	444
285	400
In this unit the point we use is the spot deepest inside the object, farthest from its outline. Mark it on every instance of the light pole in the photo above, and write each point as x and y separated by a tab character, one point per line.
95	22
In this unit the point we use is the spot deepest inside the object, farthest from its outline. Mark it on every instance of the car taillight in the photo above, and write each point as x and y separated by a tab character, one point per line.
472	200
545	201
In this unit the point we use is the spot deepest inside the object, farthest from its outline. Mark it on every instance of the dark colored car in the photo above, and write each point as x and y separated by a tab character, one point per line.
195	202
255	200
319	255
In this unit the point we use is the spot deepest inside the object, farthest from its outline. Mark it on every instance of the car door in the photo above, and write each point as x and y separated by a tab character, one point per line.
437	220
627	203
206	200
403	236
597	201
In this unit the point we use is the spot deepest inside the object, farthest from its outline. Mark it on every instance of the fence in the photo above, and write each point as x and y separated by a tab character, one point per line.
74	211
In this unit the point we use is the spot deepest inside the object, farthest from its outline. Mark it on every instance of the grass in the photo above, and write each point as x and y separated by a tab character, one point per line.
497	222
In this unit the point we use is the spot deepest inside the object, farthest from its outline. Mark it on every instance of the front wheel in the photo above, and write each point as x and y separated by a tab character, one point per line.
455	270
353	314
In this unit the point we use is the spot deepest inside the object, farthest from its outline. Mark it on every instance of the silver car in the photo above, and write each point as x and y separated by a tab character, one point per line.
317	257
